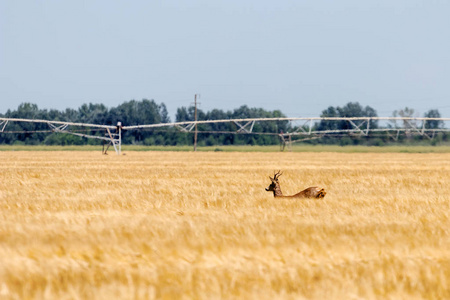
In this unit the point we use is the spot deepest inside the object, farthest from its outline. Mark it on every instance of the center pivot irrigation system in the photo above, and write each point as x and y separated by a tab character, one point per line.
302	128
113	134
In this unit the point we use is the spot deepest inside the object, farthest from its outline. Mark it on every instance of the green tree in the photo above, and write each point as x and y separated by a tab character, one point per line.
433	124
350	110
408	124
330	112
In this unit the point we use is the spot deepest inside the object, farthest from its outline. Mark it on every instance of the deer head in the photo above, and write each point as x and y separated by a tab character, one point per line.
274	186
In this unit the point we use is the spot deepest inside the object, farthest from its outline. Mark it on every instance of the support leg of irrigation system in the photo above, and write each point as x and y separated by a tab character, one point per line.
282	142
115	139
120	140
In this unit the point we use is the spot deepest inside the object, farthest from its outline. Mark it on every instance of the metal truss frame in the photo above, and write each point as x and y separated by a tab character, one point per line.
359	126
245	126
112	133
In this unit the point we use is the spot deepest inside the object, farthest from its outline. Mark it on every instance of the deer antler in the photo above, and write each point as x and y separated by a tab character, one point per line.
277	175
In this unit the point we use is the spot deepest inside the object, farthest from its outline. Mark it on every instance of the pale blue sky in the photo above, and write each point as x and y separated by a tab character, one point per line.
296	56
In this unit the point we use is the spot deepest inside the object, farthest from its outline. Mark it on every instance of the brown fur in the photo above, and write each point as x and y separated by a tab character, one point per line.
311	192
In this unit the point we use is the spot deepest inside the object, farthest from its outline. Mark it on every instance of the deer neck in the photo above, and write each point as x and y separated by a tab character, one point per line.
277	191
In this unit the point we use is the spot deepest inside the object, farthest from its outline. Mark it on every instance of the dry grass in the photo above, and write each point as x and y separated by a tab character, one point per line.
78	225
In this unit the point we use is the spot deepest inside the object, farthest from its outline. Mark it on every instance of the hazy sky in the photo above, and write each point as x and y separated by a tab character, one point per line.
296	56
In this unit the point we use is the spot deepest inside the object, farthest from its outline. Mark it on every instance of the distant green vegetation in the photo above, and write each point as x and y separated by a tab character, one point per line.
211	136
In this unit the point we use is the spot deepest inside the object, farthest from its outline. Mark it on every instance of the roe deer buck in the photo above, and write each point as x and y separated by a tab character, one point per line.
311	192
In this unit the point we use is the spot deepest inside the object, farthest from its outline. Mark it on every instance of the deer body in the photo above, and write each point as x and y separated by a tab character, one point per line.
311	192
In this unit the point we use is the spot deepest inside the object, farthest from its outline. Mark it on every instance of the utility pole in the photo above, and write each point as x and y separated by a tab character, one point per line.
195	119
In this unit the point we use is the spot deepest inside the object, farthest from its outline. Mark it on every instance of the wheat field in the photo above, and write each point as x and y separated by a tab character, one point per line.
184	225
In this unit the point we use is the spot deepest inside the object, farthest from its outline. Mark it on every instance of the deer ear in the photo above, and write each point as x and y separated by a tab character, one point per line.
271	178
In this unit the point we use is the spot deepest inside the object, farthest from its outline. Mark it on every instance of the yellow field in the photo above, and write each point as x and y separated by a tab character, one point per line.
79	225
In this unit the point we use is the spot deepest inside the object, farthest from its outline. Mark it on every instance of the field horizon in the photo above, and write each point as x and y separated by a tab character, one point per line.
242	148
199	225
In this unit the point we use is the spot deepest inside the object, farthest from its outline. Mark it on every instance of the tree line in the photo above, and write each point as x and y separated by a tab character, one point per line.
149	112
